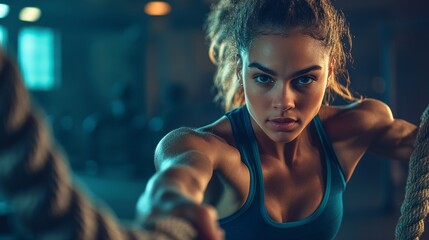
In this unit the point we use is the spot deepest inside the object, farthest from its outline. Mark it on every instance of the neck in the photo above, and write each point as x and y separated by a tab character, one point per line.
287	152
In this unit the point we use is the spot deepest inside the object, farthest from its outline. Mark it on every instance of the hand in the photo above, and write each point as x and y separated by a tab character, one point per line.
184	219
204	219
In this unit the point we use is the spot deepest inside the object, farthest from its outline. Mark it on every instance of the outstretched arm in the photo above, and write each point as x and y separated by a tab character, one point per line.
184	170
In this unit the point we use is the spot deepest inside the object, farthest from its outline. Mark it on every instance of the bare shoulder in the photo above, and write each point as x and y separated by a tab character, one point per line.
212	141
365	117
355	128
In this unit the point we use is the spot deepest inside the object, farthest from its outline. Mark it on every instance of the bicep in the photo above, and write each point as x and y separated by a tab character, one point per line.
372	127
369	126
395	140
382	133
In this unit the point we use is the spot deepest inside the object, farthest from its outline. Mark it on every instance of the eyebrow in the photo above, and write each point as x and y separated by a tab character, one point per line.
295	74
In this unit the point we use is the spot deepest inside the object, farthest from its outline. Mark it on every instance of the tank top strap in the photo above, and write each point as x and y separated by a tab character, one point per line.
338	174
237	117
245	142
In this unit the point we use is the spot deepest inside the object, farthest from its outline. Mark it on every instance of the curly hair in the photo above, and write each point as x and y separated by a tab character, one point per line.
232	25
222	53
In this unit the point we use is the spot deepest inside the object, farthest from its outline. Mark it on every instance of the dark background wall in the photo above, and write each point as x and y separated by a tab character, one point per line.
128	78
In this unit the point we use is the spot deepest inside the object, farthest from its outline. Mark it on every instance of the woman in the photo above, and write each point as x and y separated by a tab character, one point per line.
276	165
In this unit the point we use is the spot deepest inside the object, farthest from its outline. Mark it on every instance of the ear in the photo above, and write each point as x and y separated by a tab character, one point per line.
212	54
239	68
331	71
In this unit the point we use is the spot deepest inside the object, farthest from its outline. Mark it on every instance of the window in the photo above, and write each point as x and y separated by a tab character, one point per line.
38	57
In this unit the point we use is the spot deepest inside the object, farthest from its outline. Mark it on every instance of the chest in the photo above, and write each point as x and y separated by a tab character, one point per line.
290	192
293	194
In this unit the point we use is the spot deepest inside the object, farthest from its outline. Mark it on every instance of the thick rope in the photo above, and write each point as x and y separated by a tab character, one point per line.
415	207
35	179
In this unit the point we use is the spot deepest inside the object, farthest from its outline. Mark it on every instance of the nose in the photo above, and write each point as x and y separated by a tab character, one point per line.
284	98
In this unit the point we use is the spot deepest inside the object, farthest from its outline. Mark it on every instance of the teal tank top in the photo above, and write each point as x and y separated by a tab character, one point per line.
252	222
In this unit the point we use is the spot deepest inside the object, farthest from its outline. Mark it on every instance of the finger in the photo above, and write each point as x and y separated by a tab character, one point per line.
208	224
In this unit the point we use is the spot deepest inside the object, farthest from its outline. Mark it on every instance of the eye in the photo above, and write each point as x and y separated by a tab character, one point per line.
304	80
263	79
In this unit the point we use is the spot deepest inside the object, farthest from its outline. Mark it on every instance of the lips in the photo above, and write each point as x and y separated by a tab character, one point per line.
283	120
283	124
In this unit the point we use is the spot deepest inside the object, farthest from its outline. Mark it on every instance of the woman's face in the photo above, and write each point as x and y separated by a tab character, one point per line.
284	80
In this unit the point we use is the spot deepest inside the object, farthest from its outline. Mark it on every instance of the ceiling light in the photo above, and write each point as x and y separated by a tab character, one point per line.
30	14
157	8
4	10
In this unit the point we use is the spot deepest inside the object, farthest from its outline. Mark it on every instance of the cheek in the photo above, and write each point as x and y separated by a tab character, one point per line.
318	90
249	95
254	95
314	100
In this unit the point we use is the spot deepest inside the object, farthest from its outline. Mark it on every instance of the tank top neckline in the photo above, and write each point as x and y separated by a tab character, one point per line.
256	190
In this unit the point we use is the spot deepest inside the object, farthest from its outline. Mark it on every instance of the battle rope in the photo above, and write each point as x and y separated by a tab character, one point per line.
415	207
34	177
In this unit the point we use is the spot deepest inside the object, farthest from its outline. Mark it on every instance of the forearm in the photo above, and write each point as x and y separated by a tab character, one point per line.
170	188
403	150
174	193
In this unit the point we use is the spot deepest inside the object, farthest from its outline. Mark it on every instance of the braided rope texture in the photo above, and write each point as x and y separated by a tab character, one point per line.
415	207
35	178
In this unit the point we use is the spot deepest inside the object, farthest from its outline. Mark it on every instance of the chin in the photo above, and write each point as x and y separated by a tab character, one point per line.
282	137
